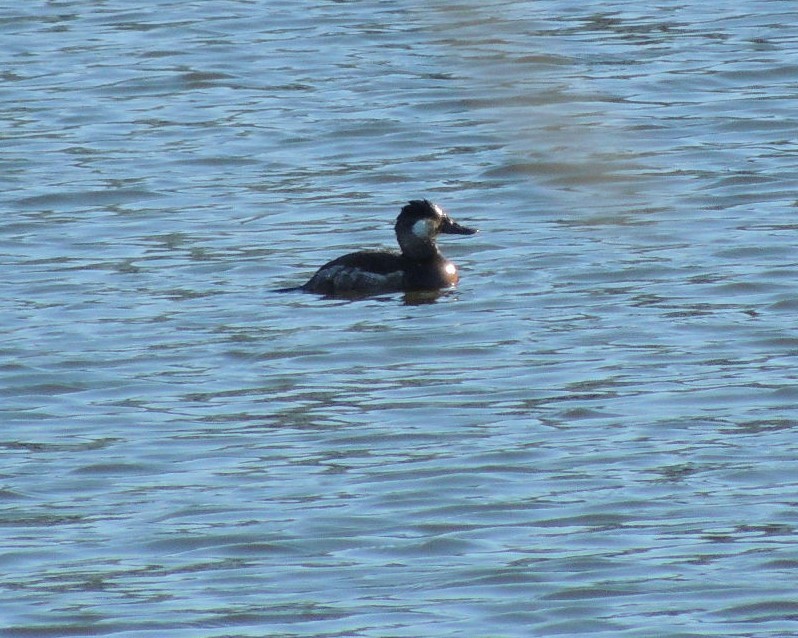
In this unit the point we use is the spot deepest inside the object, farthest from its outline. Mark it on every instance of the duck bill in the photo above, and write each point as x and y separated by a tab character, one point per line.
451	227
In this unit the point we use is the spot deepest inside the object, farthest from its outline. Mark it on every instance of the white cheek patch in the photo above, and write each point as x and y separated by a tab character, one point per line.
423	228
450	269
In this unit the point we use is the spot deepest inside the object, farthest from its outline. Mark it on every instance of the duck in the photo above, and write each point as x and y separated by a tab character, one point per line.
419	266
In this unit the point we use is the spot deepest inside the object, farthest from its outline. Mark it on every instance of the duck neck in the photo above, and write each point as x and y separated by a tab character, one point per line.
419	249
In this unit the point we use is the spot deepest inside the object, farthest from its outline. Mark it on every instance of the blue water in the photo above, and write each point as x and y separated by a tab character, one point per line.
594	435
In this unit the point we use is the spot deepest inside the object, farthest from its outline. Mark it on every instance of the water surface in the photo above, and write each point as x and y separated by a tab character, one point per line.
593	435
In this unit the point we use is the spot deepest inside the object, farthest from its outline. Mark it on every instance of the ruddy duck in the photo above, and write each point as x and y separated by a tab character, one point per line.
420	266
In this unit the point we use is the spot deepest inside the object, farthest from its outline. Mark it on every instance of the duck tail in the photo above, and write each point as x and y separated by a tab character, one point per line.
290	289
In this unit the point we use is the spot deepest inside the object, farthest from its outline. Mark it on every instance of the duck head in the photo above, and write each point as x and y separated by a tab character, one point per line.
420	223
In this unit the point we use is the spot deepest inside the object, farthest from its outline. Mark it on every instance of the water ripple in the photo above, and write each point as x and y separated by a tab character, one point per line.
591	436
